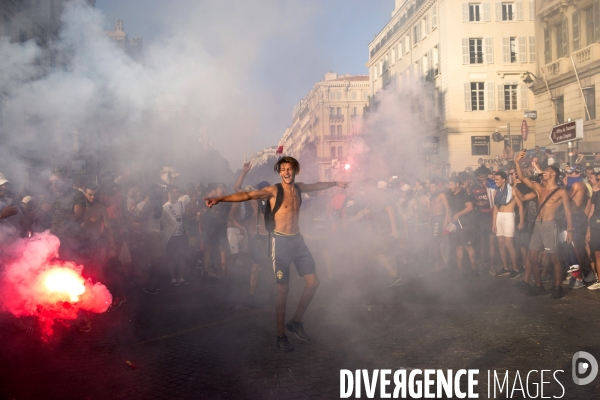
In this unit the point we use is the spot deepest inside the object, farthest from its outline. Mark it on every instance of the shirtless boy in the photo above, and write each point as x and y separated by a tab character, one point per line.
440	216
287	243
503	223
545	231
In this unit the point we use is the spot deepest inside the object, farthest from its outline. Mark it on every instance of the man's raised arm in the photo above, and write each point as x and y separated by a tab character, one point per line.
315	187
525	180
245	169
240	196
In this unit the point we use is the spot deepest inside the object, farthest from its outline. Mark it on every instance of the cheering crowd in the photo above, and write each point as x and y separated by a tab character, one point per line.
530	221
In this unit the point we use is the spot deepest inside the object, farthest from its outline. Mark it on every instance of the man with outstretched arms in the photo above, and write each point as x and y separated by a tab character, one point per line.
287	243
545	232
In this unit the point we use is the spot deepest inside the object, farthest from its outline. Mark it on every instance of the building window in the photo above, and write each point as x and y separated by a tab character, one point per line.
354	109
589	26
510	97
507	12
339	131
513	49
333	152
559	106
332	131
7	27
477	96
476	51
435	61
340	152
547	46
331	112
474	14
338	112
590	100
354	96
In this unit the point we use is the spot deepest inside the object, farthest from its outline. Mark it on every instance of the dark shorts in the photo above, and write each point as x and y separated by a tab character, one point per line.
290	249
437	227
483	224
258	249
462	237
523	237
215	237
594	241
177	248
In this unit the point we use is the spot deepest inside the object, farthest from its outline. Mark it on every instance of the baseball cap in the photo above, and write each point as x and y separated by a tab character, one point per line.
381	185
574	169
405	188
3	179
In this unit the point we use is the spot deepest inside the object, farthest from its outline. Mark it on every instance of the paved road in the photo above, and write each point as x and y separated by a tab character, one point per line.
197	341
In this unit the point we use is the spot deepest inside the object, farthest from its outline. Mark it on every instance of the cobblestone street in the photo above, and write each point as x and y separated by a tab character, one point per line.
198	341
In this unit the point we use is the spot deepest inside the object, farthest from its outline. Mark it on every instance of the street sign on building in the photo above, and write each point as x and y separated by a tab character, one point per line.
524	130
567	132
530	114
429	146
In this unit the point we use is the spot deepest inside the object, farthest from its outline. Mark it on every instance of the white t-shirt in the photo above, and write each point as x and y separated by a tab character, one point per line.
176	211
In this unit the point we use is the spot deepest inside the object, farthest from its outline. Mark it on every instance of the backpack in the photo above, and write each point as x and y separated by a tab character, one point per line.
270	214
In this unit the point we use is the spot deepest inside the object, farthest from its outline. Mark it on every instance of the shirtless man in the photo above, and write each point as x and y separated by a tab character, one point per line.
503	223
287	243
579	195
545	231
440	216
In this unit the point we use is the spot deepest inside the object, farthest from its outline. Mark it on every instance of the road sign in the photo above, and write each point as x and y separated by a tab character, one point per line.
524	130
562	133
530	114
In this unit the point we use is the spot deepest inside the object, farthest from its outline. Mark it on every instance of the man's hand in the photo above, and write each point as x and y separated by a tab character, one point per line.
211	201
396	234
8	212
569	237
521	225
520	155
343	185
494	228
247	166
588	236
455	218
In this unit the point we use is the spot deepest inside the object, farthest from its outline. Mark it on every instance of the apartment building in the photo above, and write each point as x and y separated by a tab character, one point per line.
565	82
472	58
324	122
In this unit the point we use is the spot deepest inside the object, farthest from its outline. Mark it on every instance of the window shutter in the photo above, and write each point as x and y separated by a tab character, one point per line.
547	46
465	50
522	51
427	25
498	11
524	97
430	65
596	11
489	50
519	5
465	10
486	12
532	54
506	50
468	106
489	96
500	97
565	37
575	25
400	50
434	17
532	10
406	44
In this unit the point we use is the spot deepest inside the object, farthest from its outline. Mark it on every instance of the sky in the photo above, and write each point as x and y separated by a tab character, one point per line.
284	61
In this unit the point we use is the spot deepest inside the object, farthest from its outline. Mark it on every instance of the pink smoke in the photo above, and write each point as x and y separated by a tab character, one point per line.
36	283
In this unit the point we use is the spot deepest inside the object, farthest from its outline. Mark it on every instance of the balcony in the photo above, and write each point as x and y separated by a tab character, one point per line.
336	117
558	67
587	55
330	138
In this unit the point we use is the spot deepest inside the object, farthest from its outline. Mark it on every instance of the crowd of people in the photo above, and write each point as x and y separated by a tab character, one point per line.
521	222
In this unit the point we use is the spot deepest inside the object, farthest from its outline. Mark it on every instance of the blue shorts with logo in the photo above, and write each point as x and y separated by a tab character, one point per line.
287	249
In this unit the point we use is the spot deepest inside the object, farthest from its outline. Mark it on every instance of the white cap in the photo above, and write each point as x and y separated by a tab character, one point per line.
26	199
381	185
405	188
164	173
3	179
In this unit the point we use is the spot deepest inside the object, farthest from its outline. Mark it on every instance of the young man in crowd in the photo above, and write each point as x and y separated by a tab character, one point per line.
287	242
177	242
579	196
593	229
545	232
440	217
11	217
461	210
505	203
484	236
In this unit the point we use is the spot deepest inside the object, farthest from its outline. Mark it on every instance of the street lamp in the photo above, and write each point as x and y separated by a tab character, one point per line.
527	80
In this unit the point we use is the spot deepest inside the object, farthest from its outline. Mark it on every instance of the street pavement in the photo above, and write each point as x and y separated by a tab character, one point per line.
200	342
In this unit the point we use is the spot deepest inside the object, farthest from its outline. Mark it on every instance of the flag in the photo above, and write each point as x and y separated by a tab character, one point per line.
279	150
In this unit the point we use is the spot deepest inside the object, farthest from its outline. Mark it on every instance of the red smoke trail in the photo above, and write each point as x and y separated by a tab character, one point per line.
35	282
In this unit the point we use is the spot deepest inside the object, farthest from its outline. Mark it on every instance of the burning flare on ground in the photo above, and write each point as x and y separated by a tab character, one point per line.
36	283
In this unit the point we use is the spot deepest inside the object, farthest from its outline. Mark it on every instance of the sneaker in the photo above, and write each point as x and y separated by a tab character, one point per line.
569	281
590	278
492	271
594	286
536	291
297	328
174	282
578	284
522	285
573	268
502	272
149	290
514	275
393	281
556	293
284	344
